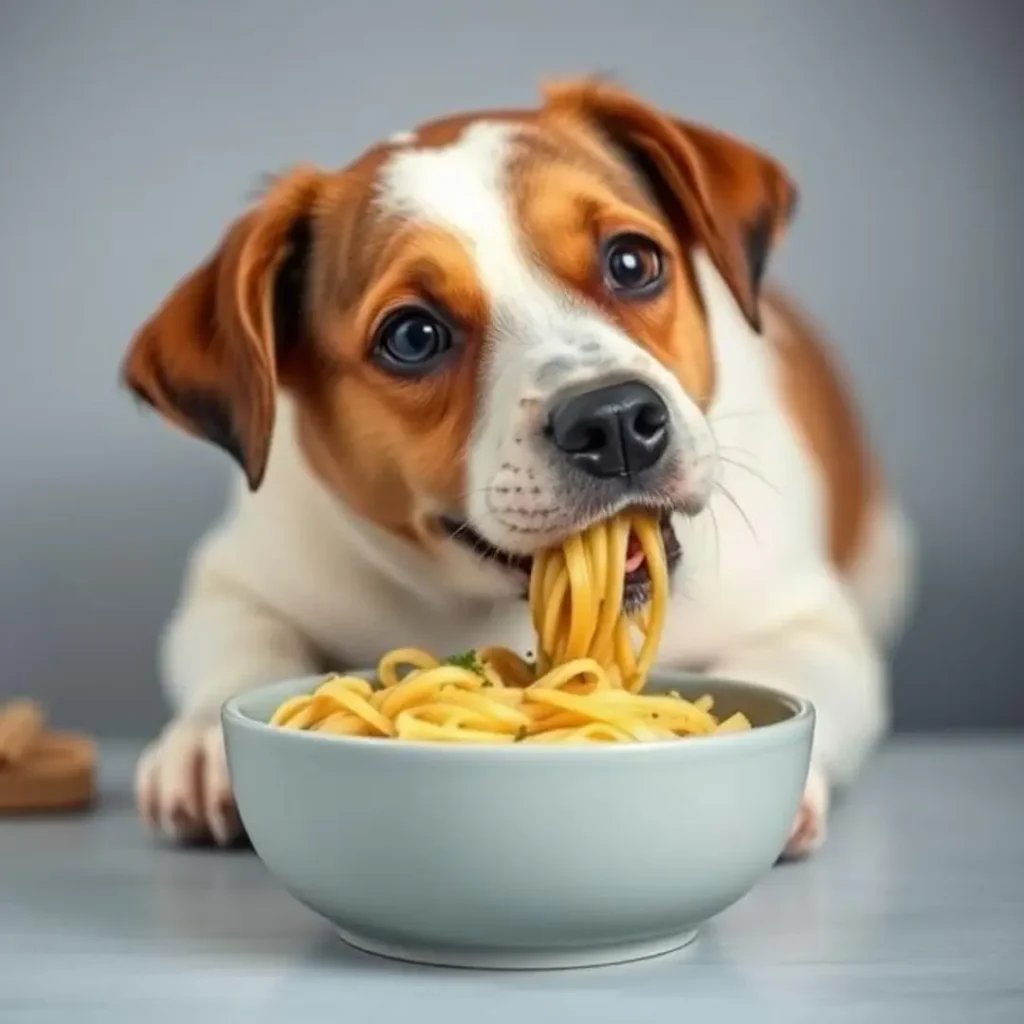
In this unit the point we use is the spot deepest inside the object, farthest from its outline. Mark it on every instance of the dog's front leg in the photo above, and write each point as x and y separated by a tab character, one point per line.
221	642
811	643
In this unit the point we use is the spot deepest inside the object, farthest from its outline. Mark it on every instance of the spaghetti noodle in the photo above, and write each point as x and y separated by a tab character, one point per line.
584	688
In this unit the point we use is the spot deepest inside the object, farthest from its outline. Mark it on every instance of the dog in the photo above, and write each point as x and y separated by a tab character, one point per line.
478	337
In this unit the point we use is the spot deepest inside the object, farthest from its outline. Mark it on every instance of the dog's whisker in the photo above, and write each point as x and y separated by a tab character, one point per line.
739	449
718	542
754	473
727	494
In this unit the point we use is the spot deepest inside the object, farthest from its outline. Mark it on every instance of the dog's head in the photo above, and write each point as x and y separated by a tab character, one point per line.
491	327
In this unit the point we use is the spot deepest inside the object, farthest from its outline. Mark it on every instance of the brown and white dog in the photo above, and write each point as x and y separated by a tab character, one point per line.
482	335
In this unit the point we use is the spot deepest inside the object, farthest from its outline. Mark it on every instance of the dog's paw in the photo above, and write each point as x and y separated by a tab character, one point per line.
811	823
182	786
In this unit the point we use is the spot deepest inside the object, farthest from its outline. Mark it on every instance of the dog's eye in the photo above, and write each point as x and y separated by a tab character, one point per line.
633	265
411	340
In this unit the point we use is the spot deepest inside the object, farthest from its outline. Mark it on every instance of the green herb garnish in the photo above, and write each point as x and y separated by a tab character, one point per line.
467	660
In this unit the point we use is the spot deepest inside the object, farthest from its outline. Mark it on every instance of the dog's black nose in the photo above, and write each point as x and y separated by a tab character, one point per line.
617	430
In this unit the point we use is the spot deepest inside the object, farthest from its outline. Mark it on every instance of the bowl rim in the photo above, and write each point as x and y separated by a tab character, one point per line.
802	717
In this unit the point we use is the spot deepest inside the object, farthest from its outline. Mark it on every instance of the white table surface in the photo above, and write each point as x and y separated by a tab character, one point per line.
914	912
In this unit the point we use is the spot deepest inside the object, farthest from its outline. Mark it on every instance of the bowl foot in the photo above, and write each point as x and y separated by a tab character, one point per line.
520	959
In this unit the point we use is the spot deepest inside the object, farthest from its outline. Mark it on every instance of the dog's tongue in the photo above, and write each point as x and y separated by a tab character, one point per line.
634	554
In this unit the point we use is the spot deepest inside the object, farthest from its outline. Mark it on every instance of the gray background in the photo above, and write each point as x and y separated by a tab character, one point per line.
131	132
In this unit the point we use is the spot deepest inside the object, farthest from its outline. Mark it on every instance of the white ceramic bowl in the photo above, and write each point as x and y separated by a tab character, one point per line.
520	856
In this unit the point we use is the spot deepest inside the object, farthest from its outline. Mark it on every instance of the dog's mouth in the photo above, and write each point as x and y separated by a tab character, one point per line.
637	576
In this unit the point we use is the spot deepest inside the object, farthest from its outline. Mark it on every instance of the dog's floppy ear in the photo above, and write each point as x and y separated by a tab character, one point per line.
208	358
735	201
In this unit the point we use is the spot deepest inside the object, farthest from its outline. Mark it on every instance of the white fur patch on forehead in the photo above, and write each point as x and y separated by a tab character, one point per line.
463	187
458	185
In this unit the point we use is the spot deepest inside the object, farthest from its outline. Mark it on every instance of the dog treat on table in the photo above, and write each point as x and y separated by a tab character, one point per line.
40	770
21	721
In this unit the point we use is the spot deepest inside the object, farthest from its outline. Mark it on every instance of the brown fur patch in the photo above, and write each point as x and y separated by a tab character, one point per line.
207	359
824	413
571	195
395	448
735	200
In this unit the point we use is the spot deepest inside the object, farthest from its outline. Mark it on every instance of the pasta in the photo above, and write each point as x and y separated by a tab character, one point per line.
585	686
576	597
